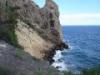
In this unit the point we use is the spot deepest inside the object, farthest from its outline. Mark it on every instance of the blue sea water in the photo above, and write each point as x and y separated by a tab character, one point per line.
84	49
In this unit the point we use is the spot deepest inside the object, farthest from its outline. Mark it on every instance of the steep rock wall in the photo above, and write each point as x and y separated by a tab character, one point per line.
31	41
37	30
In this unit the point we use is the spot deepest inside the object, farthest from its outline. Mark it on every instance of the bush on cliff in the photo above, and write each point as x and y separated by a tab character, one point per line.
92	71
7	28
4	71
7	33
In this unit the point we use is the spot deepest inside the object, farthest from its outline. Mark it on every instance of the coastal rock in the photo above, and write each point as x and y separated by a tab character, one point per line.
37	29
31	41
14	61
50	12
29	33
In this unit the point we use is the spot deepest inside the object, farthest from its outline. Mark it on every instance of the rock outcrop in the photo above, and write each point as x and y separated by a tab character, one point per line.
14	61
32	42
29	32
36	29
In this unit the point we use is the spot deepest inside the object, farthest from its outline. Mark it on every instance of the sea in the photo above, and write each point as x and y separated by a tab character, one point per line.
84	49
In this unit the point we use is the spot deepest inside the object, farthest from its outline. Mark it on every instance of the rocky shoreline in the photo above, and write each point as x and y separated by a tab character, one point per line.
34	30
37	30
50	54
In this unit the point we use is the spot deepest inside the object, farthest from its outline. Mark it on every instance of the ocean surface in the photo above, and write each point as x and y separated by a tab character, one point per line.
84	52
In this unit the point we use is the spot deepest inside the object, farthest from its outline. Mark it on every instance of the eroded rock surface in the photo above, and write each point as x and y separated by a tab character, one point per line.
37	29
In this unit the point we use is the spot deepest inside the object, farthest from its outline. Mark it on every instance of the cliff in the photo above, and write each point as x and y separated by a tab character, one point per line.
35	30
14	61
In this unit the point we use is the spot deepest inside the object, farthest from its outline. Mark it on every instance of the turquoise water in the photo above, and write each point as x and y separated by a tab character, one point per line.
84	49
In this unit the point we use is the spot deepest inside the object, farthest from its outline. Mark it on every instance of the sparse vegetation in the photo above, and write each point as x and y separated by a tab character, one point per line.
7	28
92	71
19	54
7	33
39	72
50	72
4	71
68	73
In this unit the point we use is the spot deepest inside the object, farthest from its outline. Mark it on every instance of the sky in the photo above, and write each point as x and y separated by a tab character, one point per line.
77	12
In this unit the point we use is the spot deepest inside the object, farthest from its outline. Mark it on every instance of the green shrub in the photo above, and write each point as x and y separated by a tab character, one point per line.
7	33
4	71
20	54
7	28
92	71
39	72
11	13
68	73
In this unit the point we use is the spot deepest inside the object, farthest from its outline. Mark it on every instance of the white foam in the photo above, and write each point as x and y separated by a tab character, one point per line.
57	55
60	65
3	45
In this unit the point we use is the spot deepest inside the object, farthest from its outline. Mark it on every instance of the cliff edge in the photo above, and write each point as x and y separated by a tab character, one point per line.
34	30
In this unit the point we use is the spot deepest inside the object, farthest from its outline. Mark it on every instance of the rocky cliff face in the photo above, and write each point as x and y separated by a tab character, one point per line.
35	29
30	39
